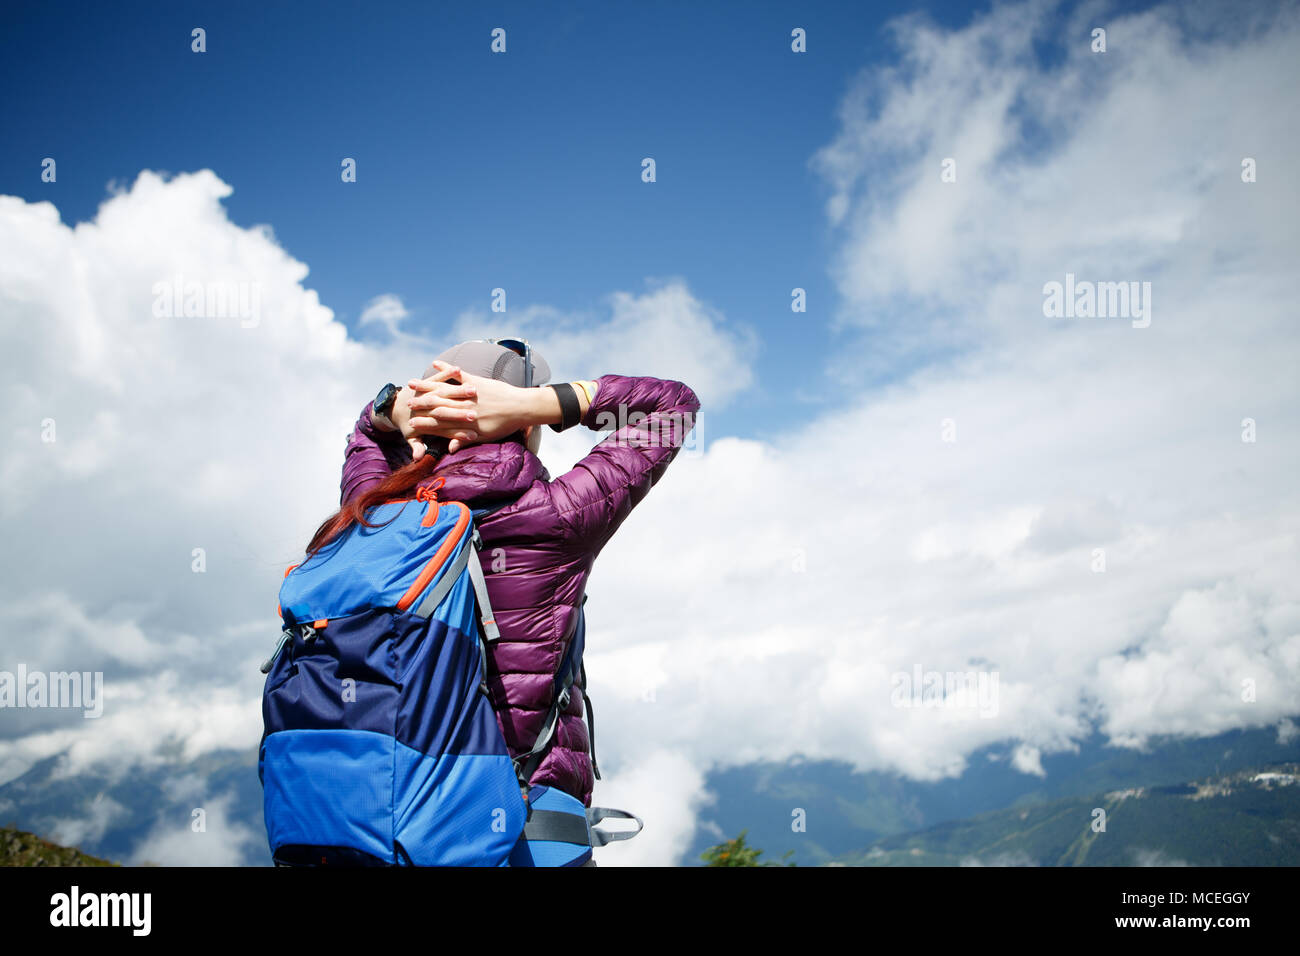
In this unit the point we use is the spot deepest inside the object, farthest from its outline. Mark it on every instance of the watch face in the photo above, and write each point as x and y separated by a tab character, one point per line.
384	400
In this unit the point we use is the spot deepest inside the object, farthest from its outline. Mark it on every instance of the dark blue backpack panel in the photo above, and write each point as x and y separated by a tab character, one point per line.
379	741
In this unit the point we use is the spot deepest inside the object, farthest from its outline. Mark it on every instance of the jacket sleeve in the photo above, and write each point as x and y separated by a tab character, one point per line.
651	418
371	456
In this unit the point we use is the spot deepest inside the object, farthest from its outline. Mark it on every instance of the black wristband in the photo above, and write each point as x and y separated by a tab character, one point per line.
570	409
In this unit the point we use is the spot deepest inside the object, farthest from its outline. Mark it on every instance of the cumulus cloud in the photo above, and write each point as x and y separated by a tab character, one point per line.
176	408
665	327
1097	165
385	310
1067	503
1028	760
153	358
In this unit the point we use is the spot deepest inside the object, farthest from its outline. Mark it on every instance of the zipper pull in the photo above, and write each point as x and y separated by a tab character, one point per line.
284	636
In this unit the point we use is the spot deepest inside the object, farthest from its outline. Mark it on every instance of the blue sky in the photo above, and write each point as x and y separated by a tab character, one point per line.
476	170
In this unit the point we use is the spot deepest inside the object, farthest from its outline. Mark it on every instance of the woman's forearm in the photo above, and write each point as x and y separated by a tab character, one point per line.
495	410
541	406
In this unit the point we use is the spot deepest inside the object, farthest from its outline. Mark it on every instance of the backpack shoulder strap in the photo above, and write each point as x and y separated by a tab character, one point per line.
490	630
485	615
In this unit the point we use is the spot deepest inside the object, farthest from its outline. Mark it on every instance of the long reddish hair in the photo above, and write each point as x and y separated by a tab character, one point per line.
399	486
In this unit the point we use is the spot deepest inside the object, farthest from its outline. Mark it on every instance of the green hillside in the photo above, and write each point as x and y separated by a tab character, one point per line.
1247	818
19	848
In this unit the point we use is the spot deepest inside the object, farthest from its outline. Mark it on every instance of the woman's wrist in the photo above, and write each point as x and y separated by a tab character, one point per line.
542	405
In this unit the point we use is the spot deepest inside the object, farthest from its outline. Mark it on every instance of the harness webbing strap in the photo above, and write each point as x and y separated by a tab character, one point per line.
557	826
534	756
435	594
490	630
591	726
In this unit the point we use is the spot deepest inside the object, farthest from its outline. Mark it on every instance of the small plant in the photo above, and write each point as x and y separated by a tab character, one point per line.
738	853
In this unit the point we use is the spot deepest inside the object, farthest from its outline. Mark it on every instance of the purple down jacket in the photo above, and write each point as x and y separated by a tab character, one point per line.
538	552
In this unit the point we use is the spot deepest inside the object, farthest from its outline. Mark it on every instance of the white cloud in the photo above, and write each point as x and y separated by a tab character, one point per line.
386	310
666	790
143	716
97	815
1028	760
1072	437
180	443
665	328
1098	166
221	841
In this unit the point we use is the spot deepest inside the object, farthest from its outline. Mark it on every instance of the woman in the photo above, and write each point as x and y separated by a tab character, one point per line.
471	428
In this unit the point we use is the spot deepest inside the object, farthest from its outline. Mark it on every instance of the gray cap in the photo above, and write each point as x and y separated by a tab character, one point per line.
489	360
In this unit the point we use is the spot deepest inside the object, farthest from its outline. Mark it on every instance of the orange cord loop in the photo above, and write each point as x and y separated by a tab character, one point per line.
430	492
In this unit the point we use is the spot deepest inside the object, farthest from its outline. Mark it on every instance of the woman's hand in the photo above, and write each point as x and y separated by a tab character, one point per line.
486	409
449	408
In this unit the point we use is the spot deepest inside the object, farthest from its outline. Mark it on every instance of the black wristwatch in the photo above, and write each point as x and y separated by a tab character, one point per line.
381	412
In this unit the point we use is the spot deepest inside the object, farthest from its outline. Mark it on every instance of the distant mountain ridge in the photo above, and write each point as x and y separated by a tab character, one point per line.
147	814
1245	818
844	809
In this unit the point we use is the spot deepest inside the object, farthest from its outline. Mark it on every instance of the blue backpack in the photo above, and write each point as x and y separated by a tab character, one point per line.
380	744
